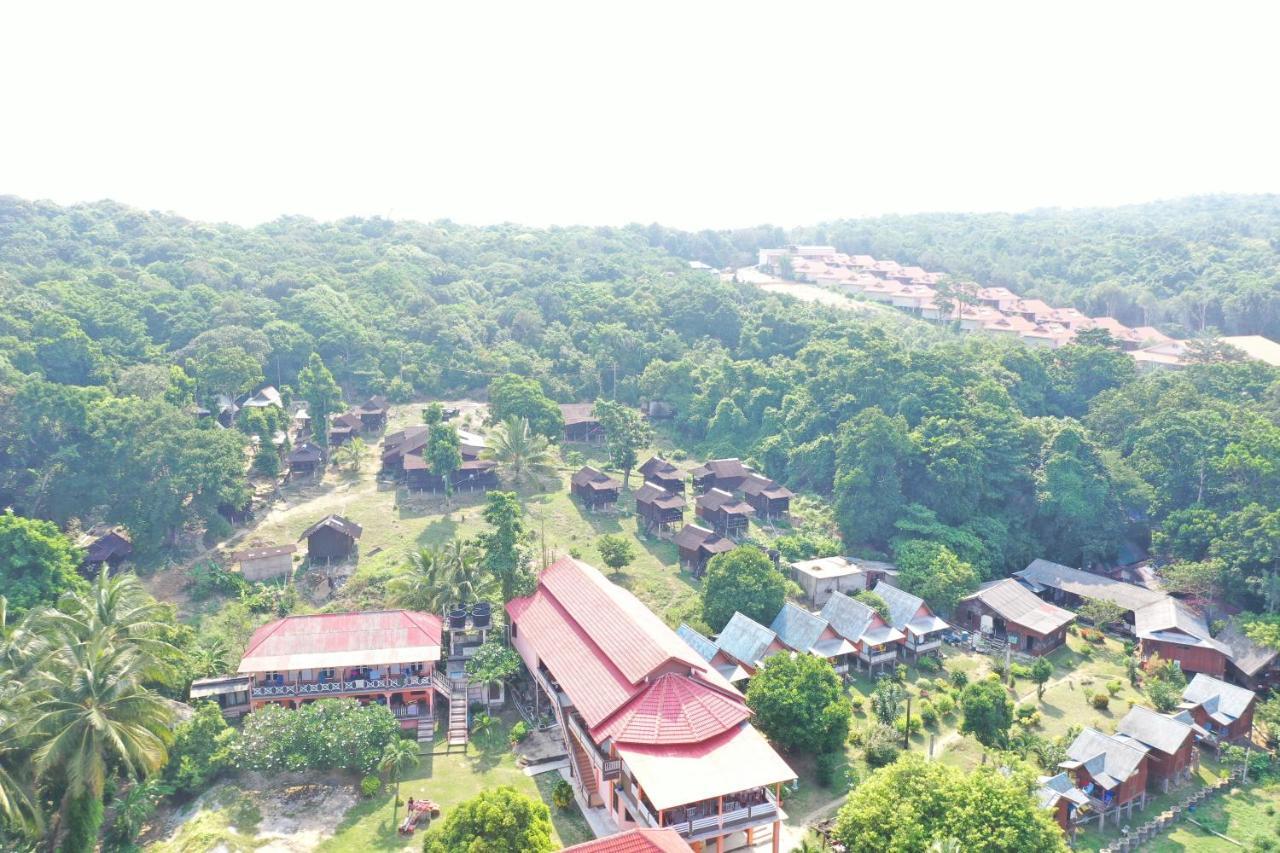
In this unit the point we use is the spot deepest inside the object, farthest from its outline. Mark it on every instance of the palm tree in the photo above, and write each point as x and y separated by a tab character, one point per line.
210	657
466	572
351	453
400	755
92	715
523	455
423	584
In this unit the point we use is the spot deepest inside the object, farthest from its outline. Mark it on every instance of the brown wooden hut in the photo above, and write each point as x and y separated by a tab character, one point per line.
726	474
658	508
580	423
343	428
594	488
305	460
769	499
475	475
331	538
696	545
373	413
727	515
104	545
663	473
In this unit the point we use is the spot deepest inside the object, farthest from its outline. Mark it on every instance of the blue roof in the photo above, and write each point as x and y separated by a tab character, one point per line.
745	639
797	627
705	648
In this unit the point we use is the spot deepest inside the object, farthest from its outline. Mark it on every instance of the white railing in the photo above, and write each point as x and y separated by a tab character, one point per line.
610	768
925	646
758	813
878	657
329	688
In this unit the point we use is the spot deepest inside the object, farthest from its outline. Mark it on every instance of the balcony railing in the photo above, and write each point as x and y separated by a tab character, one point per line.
610	768
718	824
332	688
878	657
929	644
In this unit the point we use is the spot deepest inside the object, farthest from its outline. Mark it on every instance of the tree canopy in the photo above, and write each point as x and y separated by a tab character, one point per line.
498	820
800	704
743	580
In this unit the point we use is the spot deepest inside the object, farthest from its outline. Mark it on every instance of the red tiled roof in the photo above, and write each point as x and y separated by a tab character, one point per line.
635	841
675	709
343	639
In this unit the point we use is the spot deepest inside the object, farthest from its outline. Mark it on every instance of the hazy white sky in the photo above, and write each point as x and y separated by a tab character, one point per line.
694	114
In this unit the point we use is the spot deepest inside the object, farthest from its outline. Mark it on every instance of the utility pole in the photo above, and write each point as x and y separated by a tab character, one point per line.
906	730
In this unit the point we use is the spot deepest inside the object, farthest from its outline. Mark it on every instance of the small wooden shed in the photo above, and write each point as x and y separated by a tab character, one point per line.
373	413
305	460
331	538
262	563
594	487
104	545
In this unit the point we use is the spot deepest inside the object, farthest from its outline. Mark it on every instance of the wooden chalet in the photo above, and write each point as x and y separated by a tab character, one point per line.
635	841
266	562
385	657
652	731
305	460
229	692
1223	710
1162	624
909	614
475	475
660	471
824	575
373	413
875	642
659	509
1250	663
714	655
724	513
697	545
1111	772
595	488
1008	611
725	474
344	427
1059	795
580	424
331	538
809	633
748	643
769	499
1168	742
108	545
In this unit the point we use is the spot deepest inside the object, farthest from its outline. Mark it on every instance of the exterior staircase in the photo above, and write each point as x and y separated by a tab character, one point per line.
582	769
459	722
426	732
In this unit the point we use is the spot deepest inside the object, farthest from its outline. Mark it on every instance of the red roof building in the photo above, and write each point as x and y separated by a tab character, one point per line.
635	841
654	732
387	657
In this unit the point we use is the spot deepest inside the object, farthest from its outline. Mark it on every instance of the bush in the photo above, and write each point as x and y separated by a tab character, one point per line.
857	702
928	714
329	734
959	680
201	750
928	663
901	724
942	684
832	770
1114	687
881	746
1022	713
1100	700
900	673
800	704
562	795
1019	670
370	786
944	704
518	732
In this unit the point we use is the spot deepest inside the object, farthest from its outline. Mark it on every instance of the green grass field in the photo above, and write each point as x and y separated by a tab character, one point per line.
1244	816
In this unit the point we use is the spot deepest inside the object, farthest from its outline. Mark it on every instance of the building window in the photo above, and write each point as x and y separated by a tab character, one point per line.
326	674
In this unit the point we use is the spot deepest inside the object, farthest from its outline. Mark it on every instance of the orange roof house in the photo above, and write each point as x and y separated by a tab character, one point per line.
635	841
654	732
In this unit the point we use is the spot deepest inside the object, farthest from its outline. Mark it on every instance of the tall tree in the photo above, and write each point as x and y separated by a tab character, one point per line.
517	396
873	455
744	581
934	573
399	756
800	704
444	454
37	562
505	543
317	386
522	455
988	712
626	432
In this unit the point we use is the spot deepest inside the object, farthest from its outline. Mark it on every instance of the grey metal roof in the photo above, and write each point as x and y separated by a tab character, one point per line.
1249	656
1015	603
1054	788
849	618
745	639
1219	699
903	606
704	646
1108	760
1089	585
1154	730
1172	621
797	627
338	523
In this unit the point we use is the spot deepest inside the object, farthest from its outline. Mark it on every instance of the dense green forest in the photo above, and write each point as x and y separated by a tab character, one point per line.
118	320
1188	266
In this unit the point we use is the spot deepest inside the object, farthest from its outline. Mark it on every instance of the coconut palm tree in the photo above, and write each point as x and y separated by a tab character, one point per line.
465	571
91	716
423	585
398	756
210	657
351	454
521	454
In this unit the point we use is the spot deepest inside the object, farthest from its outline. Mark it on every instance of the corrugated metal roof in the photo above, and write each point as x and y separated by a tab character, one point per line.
1250	656
1015	603
1089	585
704	646
338	523
1154	730
903	606
1218	697
745	639
1171	621
849	618
658	465
343	639
797	627
1108	760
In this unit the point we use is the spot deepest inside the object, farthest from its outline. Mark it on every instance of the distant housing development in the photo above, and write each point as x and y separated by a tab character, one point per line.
995	310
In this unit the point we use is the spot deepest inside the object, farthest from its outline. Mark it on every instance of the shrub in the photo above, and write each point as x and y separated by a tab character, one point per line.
928	714
498	820
201	750
1024	712
1100	700
370	786
518	732
329	734
959	680
1019	670
900	673
832	768
941	683
857	702
1114	687
929	663
901	724
562	795
944	704
881	746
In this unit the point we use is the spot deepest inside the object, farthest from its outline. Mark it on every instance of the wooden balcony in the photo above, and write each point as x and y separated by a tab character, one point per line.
609	768
306	689
878	657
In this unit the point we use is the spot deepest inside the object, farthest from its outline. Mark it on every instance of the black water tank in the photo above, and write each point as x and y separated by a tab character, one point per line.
480	614
458	618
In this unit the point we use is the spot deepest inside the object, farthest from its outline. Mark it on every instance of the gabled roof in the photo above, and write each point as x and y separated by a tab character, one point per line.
903	606
1154	730
595	479
268	396
343	639
855	621
703	645
746	640
1015	603
375	405
719	500
635	841
722	469
1044	573
1224	702
1249	656
345	421
692	536
1054	788
578	413
336	522
675	709
797	627
1108	760
652	493
658	465
1171	621
756	484
306	452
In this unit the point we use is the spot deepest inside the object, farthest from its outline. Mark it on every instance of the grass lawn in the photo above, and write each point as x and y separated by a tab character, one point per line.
449	780
1208	773
1245	816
